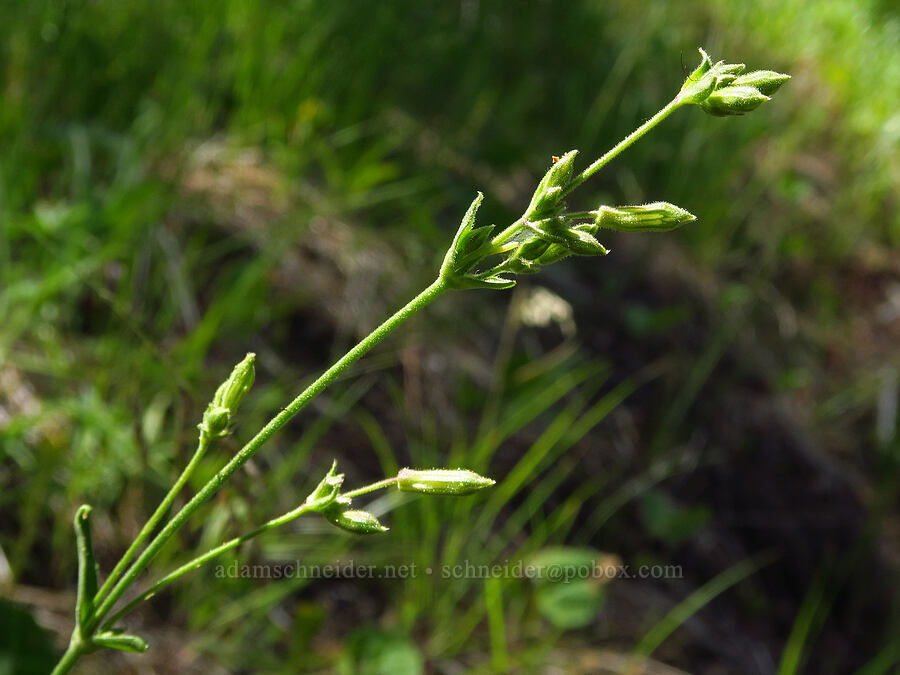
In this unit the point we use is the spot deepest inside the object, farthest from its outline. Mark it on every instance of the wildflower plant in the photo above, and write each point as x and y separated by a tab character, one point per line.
479	256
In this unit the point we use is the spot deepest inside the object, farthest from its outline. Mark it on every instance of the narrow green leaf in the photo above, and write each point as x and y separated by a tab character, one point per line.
695	602
87	566
467	223
124	642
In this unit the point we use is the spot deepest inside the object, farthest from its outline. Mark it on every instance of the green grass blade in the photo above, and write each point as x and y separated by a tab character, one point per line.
694	603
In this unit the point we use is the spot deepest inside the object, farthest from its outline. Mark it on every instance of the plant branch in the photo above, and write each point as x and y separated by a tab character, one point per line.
615	151
205	557
150	525
232	544
74	651
387	482
276	423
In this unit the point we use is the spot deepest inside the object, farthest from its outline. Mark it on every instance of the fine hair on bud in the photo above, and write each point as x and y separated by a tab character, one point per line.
441	481
233	390
358	522
653	217
764	81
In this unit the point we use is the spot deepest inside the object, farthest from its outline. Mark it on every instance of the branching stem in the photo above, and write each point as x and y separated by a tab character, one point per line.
150	525
423	299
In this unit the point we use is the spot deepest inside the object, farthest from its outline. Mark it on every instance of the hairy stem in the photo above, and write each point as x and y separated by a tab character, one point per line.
501	241
205	557
387	482
231	544
615	151
282	418
150	525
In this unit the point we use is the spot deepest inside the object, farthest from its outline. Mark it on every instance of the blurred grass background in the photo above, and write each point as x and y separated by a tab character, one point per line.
184	182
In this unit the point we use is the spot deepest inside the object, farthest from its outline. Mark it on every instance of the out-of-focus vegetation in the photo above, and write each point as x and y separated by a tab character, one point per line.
183	182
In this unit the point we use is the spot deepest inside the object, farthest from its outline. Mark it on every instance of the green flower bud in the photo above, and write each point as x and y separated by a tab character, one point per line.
720	84
723	69
554	253
327	490
547	196
765	81
358	522
217	417
232	391
531	249
733	100
654	217
441	481
544	203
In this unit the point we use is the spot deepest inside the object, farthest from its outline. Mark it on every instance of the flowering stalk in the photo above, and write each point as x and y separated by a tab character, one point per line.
477	258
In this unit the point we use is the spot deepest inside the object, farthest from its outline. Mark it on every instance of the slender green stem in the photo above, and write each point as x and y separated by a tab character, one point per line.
578	215
282	418
673	105
506	235
150	525
74	651
205	557
387	482
501	242
231	544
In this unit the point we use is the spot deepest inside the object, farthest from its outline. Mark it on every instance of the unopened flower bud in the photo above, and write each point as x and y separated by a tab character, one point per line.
230	393
654	217
733	100
554	253
549	191
722	68
765	81
358	522
544	203
441	481
720	89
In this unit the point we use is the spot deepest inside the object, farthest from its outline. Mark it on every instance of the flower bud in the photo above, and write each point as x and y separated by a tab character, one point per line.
441	481
554	253
733	100
230	393
720	89
654	217
544	203
358	522
722	68
765	81
549	191
560	173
